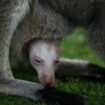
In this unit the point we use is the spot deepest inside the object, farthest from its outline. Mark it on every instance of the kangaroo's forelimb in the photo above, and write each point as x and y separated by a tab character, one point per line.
20	88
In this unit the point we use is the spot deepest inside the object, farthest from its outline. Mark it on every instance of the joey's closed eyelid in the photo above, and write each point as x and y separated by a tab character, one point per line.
38	60
36	57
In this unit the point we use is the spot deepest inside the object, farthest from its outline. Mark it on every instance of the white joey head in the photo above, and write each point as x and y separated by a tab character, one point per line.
44	58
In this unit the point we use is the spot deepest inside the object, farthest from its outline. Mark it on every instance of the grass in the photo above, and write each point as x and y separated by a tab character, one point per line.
74	47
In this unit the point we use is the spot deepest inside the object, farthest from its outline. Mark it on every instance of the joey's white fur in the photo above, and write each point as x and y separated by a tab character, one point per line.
47	53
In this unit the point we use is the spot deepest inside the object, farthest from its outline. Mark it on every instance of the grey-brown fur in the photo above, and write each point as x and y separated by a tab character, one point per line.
24	20
40	22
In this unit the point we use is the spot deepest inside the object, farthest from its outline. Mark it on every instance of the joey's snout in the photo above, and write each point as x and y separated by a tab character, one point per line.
46	79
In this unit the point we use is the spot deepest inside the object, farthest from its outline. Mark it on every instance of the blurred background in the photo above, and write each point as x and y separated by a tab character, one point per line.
75	46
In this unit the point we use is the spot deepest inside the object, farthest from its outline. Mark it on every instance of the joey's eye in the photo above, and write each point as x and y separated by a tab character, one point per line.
38	61
56	62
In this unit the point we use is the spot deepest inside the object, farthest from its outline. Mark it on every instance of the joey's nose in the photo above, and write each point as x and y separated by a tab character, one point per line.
47	80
